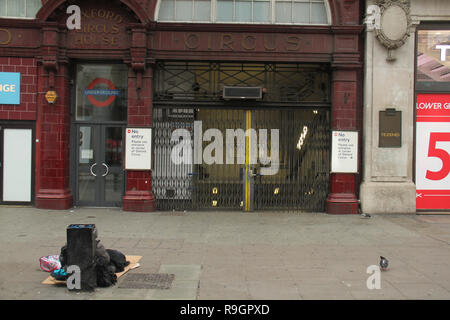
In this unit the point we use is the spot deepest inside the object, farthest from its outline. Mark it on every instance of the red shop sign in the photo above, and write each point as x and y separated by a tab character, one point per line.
433	152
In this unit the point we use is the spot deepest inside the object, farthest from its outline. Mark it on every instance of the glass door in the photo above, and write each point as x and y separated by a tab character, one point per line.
100	165
100	98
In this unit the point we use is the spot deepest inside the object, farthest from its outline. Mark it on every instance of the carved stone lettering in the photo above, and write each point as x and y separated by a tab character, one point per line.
191	41
248	42
8	37
292	43
226	41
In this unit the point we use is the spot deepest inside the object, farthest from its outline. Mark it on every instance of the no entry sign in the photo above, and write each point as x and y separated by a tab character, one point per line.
433	152
111	92
138	149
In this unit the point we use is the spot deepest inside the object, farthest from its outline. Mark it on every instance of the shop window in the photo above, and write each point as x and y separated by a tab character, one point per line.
204	81
185	10
19	8
433	59
245	11
300	11
101	92
432	117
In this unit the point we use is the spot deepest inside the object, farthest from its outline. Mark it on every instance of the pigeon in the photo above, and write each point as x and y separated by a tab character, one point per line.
366	215
384	263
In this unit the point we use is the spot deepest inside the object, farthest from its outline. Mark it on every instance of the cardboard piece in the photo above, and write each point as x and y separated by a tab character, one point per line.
133	264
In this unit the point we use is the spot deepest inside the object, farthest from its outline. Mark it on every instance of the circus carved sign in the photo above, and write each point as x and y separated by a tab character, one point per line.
100	28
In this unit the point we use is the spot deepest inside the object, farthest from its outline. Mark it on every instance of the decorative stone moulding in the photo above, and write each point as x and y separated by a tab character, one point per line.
395	24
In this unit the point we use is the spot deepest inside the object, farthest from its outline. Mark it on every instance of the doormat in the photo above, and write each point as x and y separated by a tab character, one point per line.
134	263
147	281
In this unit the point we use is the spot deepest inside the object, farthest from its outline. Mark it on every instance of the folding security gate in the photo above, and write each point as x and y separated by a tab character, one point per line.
171	183
300	181
295	105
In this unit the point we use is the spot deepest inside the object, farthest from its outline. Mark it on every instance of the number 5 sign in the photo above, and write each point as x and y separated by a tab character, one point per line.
433	152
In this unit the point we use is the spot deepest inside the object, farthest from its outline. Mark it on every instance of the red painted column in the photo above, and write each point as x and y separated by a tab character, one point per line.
53	146
53	126
138	195
343	186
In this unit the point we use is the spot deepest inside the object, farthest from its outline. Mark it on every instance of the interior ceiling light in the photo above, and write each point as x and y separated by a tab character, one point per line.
302	138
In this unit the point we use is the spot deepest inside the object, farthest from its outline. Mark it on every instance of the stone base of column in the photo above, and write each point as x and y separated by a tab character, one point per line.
388	197
342	203
54	199
138	201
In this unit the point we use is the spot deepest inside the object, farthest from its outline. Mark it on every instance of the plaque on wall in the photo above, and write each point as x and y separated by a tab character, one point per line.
390	129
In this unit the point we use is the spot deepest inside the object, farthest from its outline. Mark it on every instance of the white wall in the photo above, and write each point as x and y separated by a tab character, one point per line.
17	164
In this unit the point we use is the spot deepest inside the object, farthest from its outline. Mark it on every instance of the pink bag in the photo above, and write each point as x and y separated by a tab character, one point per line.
50	263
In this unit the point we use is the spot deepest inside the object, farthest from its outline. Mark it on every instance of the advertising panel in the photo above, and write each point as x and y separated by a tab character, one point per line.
9	88
433	152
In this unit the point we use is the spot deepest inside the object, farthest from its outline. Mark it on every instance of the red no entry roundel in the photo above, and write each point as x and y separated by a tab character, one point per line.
111	97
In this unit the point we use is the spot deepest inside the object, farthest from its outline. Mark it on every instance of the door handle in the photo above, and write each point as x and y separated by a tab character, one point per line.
90	169
107	170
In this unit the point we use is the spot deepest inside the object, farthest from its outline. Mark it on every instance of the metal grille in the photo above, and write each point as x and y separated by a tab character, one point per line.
147	281
204	81
219	185
302	181
184	92
171	183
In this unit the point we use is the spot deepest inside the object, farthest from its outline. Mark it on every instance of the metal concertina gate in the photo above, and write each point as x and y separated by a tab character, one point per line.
297	104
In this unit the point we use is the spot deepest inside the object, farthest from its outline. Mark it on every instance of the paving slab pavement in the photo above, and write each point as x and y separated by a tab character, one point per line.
219	255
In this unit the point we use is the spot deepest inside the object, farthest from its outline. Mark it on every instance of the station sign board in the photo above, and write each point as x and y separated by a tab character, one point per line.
138	148
9	88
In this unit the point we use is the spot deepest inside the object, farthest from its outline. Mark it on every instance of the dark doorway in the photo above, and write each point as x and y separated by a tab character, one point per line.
99	119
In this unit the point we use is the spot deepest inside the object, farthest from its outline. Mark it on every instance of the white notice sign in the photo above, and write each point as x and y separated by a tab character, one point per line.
138	153
344	152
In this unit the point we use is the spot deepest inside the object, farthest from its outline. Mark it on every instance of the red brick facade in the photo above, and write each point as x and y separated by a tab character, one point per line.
42	51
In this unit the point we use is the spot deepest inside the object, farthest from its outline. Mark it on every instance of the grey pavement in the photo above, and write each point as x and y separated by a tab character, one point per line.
236	255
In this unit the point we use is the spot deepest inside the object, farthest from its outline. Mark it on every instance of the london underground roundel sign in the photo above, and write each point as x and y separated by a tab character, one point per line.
92	93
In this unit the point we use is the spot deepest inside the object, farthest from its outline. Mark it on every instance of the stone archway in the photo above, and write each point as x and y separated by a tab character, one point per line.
50	6
110	31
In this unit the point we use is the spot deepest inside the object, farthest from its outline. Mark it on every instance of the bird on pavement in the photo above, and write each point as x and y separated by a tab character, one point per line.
384	263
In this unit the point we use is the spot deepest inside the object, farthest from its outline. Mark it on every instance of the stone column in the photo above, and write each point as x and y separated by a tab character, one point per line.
343	186
138	195
388	185
53	127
